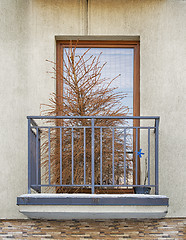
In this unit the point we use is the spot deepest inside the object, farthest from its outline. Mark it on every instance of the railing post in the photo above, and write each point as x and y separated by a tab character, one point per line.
49	163
37	157
92	154
156	156
29	158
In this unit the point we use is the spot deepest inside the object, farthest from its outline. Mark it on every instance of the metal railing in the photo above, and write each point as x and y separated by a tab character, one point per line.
100	154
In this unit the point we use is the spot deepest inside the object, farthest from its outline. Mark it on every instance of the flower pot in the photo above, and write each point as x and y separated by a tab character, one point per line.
142	190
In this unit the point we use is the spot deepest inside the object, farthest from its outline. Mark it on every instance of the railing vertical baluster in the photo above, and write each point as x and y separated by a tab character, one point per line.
156	156
29	157
92	153
113	156
84	155
124	156
61	147
72	156
39	160
101	157
37	156
136	156
49	150
148	156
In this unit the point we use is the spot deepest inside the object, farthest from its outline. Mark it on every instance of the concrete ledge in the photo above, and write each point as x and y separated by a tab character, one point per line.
92	206
92	212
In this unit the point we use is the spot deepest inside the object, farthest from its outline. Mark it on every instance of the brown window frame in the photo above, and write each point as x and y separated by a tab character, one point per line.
107	44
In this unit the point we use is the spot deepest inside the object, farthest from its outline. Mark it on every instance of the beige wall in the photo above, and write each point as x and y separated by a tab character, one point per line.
27	37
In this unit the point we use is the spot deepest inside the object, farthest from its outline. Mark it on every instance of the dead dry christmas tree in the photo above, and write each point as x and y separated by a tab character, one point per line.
85	93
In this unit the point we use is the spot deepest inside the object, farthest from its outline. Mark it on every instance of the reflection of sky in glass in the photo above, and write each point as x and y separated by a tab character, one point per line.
119	61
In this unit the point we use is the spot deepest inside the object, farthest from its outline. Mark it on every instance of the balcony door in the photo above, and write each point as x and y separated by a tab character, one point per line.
122	58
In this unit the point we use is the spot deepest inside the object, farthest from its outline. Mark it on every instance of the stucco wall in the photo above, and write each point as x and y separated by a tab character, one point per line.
27	37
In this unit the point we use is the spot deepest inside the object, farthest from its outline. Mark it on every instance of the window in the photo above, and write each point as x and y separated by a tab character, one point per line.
122	58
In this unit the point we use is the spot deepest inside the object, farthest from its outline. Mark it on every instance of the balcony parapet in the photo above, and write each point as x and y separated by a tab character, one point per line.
99	155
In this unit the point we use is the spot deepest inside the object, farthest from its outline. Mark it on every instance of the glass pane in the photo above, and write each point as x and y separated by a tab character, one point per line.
118	61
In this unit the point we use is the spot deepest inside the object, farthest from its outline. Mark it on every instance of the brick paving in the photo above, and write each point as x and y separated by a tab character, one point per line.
169	228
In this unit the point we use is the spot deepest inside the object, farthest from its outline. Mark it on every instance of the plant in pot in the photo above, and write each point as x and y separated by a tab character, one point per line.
143	189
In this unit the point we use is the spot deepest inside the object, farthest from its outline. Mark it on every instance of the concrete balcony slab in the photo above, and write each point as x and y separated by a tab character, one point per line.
92	206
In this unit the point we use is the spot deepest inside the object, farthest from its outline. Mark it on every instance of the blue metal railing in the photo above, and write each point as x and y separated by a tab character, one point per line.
123	129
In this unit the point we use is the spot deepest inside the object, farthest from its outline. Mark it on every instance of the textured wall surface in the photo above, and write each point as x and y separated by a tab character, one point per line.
113	229
27	38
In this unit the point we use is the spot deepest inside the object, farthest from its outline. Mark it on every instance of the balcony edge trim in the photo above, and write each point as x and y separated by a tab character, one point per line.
93	199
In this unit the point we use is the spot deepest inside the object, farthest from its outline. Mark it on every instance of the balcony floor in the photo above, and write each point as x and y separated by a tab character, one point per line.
92	206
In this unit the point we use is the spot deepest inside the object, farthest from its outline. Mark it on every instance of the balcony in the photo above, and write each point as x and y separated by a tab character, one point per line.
93	167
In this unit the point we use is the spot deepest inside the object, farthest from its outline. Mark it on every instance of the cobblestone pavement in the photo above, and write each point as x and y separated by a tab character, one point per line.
172	228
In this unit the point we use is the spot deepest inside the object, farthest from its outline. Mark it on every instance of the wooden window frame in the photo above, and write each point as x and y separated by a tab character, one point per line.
107	44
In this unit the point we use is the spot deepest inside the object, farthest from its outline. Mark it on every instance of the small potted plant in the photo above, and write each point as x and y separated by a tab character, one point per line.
143	189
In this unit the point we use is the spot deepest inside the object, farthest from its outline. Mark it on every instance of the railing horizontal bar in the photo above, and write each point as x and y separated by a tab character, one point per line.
62	127
125	185
57	185
93	117
116	127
